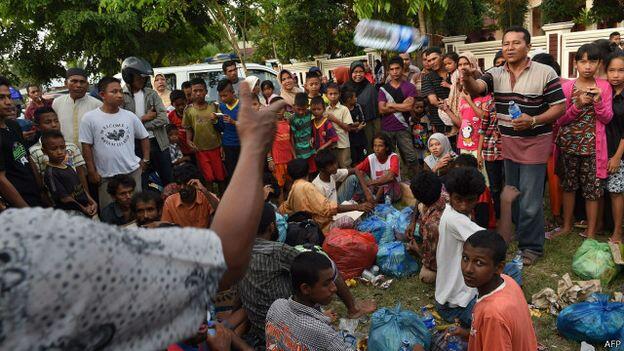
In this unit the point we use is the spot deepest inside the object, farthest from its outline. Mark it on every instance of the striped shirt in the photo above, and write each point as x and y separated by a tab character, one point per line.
535	90
491	135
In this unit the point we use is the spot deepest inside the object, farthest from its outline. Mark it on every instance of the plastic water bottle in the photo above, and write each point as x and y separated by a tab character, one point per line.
518	261
427	319
514	110
388	36
405	345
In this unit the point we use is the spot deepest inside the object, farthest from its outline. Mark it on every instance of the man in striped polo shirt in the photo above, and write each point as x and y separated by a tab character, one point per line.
526	140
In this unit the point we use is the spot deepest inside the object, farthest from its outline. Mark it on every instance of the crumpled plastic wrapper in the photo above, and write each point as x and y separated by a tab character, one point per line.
568	292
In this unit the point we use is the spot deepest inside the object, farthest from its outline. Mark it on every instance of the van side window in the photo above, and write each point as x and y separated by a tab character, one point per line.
171	81
211	79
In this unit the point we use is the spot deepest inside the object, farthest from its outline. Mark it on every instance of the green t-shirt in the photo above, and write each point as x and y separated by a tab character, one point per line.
301	127
205	134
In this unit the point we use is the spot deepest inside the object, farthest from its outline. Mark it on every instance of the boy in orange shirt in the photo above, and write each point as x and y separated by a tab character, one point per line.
282	150
501	319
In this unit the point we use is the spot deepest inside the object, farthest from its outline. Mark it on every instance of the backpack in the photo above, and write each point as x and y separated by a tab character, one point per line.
303	230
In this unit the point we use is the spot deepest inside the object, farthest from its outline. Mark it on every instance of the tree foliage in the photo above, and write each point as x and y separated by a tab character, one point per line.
38	35
560	10
462	17
608	11
509	12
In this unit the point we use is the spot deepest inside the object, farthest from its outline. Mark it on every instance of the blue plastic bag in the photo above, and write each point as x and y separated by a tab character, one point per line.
374	225
390	326
401	223
383	210
282	226
394	260
594	322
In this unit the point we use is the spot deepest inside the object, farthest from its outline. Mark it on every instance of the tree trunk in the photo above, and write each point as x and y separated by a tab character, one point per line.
422	23
219	16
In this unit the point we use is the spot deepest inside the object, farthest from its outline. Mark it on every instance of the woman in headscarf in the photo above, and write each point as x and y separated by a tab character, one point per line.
341	74
254	84
160	85
441	154
366	97
288	88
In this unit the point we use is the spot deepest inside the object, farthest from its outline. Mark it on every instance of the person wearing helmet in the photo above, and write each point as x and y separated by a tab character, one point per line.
146	104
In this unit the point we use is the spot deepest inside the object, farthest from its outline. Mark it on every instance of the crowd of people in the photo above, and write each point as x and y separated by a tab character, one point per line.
211	181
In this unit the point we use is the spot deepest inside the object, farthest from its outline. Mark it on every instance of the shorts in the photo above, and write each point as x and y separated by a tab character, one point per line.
281	174
211	165
576	172
615	183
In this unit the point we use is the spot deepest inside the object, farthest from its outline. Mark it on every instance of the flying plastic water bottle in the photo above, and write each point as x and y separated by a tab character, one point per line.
514	110
388	36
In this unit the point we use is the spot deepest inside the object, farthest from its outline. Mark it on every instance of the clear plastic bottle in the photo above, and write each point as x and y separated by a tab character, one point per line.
388	36
514	110
405	345
518	261
427	318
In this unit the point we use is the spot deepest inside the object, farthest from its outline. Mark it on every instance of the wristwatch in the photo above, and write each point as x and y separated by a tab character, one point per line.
533	122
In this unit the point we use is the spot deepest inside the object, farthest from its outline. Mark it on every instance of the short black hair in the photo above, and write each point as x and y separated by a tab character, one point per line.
465	182
614	34
297	168
51	134
615	55
434	50
275	99
30	85
498	55
301	100
199	81
317	100
519	29
386	139
120	180
145	197
421	98
591	50
4	81
453	56
312	75
186	84
185	172
267	217
395	60
267	84
227	64
105	81
548	60
466	160
334	86
305	269
177	94
346	93
606	47
491	240
171	128
40	111
324	158
223	85
426	187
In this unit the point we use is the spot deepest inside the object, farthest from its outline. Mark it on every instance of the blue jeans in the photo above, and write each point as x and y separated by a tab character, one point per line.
351	186
464	314
528	209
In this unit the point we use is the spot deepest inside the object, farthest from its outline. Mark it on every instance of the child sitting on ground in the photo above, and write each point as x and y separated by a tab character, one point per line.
427	189
501	319
62	180
455	300
323	131
301	127
383	168
441	154
175	151
329	175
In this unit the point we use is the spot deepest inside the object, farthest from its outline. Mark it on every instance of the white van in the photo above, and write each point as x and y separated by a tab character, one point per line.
212	73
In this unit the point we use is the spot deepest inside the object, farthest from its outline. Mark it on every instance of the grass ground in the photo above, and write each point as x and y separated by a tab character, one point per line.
412	294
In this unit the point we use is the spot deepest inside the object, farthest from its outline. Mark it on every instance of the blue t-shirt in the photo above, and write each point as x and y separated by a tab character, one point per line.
230	135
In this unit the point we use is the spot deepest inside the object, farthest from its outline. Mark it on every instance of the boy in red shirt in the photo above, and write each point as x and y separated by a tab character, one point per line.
501	319
323	131
176	116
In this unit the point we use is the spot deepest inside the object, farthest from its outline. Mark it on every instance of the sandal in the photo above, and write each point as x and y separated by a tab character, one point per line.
581	224
553	233
583	234
529	258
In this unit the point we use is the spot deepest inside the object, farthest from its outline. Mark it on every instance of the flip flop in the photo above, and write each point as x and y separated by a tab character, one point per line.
581	224
553	233
583	234
529	258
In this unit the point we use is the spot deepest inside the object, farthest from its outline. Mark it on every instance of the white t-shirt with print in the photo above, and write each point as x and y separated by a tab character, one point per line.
455	228
329	189
112	138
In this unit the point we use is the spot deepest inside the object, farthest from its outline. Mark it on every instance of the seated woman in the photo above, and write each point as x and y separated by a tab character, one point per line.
441	154
305	197
382	166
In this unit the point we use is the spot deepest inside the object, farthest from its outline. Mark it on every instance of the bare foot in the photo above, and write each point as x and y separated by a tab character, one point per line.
362	307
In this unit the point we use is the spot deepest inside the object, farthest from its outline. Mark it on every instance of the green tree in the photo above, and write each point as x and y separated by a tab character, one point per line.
608	11
38	35
462	17
509	12
384	9
560	10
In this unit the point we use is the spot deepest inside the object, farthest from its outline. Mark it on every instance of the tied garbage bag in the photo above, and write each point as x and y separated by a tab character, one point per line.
394	260
593	260
390	326
282	226
594	322
383	210
401	223
374	225
352	251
